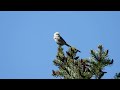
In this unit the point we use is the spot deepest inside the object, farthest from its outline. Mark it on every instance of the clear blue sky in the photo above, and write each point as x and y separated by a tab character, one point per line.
27	48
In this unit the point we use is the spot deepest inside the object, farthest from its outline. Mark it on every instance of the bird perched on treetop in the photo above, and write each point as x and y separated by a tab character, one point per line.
59	40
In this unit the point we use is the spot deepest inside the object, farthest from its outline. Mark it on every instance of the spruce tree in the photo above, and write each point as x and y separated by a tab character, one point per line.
71	66
117	76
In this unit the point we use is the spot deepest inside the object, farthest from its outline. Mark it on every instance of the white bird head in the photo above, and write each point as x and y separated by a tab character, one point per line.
56	33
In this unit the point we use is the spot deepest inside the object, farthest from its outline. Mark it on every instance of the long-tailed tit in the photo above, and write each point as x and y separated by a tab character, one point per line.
60	41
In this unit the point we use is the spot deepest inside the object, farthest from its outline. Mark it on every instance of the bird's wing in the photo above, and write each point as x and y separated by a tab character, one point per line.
62	40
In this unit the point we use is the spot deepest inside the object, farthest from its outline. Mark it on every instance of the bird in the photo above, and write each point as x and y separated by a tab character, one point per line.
59	40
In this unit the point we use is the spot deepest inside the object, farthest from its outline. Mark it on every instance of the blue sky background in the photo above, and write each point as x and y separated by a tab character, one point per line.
27	48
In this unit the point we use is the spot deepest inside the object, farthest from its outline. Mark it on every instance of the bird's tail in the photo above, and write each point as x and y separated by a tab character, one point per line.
67	45
71	46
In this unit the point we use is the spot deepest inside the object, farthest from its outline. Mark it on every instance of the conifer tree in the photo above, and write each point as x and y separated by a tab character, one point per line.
117	76
71	66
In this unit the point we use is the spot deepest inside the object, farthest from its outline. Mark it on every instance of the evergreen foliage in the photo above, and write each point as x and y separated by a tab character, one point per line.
117	76
71	66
